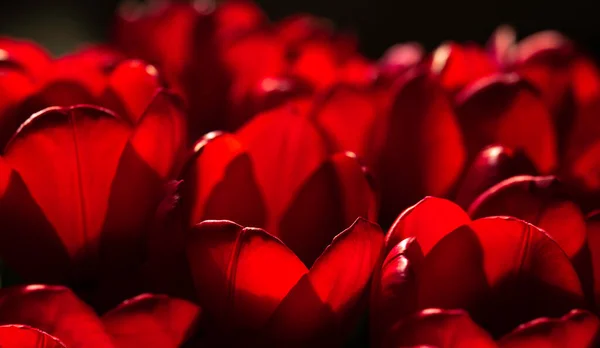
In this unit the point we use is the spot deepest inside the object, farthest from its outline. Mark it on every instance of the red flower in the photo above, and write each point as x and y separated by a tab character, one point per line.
454	329
256	291
146	320
80	190
276	173
502	271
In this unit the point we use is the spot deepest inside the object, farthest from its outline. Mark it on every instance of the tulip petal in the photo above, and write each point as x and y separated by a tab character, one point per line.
237	18
315	63
285	150
394	287
593	239
542	201
323	305
501	270
132	86
439	328
24	336
502	109
417	222
577	329
491	166
501	44
346	116
331	199
151	320
26	54
55	310
423	153
399	58
77	150
241	274
15	88
458	65
219	183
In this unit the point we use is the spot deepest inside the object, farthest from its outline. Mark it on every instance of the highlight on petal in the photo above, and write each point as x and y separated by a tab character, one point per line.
503	109
55	310
285	149
399	58
423	151
325	304
331	199
501	44
394	287
34	59
132	86
241	274
458	65
160	136
502	271
578	328
25	336
219	183
346	115
492	165
593	243
151	320
439	328
418	222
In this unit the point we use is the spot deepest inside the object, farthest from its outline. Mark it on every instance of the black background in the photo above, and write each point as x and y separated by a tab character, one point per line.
62	25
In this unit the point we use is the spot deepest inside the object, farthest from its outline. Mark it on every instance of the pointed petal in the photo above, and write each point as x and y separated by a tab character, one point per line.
417	222
77	150
399	58
504	110
25	336
285	150
151	320
219	183
577	329
423	152
55	310
332	198
324	305
503	271
241	274
439	328
501	44
491	166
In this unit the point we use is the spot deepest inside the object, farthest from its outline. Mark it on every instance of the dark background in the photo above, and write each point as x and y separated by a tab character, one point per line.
62	25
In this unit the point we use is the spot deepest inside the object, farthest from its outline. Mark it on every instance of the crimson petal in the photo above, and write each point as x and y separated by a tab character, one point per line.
503	271
325	303
55	310
241	274
577	329
331	199
422	151
24	336
491	166
151	320
439	328
504	110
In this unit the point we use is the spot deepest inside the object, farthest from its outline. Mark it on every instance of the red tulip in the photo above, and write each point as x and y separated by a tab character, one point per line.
503	109
256	290
492	165
545	202
398	59
276	173
154	320
455	329
417	147
81	188
502	271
